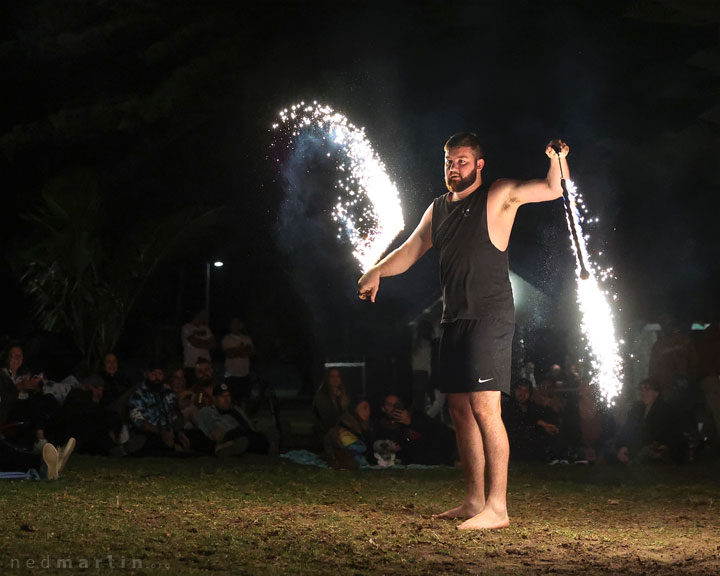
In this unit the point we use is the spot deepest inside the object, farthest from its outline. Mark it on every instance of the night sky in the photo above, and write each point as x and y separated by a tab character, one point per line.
167	105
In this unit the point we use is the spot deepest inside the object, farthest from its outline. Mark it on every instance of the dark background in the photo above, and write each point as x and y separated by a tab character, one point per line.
169	104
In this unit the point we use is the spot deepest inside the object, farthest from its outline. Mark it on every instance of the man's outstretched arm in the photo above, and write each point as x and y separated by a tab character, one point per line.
399	260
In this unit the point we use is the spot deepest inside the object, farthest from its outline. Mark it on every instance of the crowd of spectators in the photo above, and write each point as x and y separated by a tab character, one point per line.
557	416
187	409
673	412
353	433
168	410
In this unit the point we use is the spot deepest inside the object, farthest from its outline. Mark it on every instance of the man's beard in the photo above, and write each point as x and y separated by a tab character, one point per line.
463	184
153	384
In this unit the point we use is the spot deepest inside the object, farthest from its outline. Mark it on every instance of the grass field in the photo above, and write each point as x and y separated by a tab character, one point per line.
260	516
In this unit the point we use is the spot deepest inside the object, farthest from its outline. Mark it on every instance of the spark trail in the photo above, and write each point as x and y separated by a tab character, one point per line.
597	315
368	207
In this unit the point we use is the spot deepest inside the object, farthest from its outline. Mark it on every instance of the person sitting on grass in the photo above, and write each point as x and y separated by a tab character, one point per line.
331	401
177	383
548	392
557	396
422	440
597	426
203	383
529	426
48	465
154	414
118	385
97	428
651	432
228	428
25	410
348	444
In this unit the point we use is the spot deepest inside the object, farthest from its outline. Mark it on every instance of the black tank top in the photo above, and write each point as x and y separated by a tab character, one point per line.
473	273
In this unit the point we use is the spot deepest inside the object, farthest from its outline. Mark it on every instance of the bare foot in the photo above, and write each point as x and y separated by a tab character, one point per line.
488	519
465	510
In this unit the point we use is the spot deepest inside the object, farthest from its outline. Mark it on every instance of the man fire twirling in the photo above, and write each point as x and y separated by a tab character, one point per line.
470	227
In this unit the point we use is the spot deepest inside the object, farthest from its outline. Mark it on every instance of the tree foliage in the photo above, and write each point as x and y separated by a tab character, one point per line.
83	281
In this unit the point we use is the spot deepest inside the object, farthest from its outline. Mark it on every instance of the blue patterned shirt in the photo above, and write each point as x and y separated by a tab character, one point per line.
159	408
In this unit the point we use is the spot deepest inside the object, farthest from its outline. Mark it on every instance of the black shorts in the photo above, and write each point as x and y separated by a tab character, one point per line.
475	355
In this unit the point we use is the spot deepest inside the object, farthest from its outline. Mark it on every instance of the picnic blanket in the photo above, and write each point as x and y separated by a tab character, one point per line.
31	474
307	458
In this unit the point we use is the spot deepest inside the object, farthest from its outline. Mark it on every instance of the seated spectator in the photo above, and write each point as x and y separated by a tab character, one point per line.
331	401
177	383
597	426
98	429
118	385
203	383
189	401
348	444
548	392
228	428
238	348
50	465
651	432
12	361
573	377
25	411
155	414
558	394
530	427
422	440
673	364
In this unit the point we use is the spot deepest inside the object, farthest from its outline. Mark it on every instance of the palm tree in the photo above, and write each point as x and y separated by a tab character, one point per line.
83	282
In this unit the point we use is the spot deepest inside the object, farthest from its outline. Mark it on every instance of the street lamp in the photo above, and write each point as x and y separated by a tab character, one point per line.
216	264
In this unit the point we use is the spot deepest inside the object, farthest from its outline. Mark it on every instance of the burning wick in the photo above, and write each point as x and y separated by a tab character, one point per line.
584	274
597	322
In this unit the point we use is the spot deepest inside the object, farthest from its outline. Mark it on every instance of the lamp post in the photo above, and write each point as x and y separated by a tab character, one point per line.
216	264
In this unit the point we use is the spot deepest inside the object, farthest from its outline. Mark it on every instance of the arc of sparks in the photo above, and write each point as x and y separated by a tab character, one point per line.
365	181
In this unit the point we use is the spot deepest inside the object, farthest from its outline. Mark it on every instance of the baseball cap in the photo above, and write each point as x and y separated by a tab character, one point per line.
221	389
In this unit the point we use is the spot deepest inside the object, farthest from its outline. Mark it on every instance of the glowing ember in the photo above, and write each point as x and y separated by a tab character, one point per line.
368	207
597	316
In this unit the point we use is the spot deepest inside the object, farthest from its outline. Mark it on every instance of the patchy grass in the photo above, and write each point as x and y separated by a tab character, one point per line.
261	516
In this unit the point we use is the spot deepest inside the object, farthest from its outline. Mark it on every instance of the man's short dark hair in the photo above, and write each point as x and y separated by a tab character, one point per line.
469	139
150	364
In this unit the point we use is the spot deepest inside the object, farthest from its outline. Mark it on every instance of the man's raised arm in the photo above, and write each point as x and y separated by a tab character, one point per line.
399	260
519	193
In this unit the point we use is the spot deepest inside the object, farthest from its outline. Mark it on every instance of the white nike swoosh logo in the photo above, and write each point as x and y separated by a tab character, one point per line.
481	381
